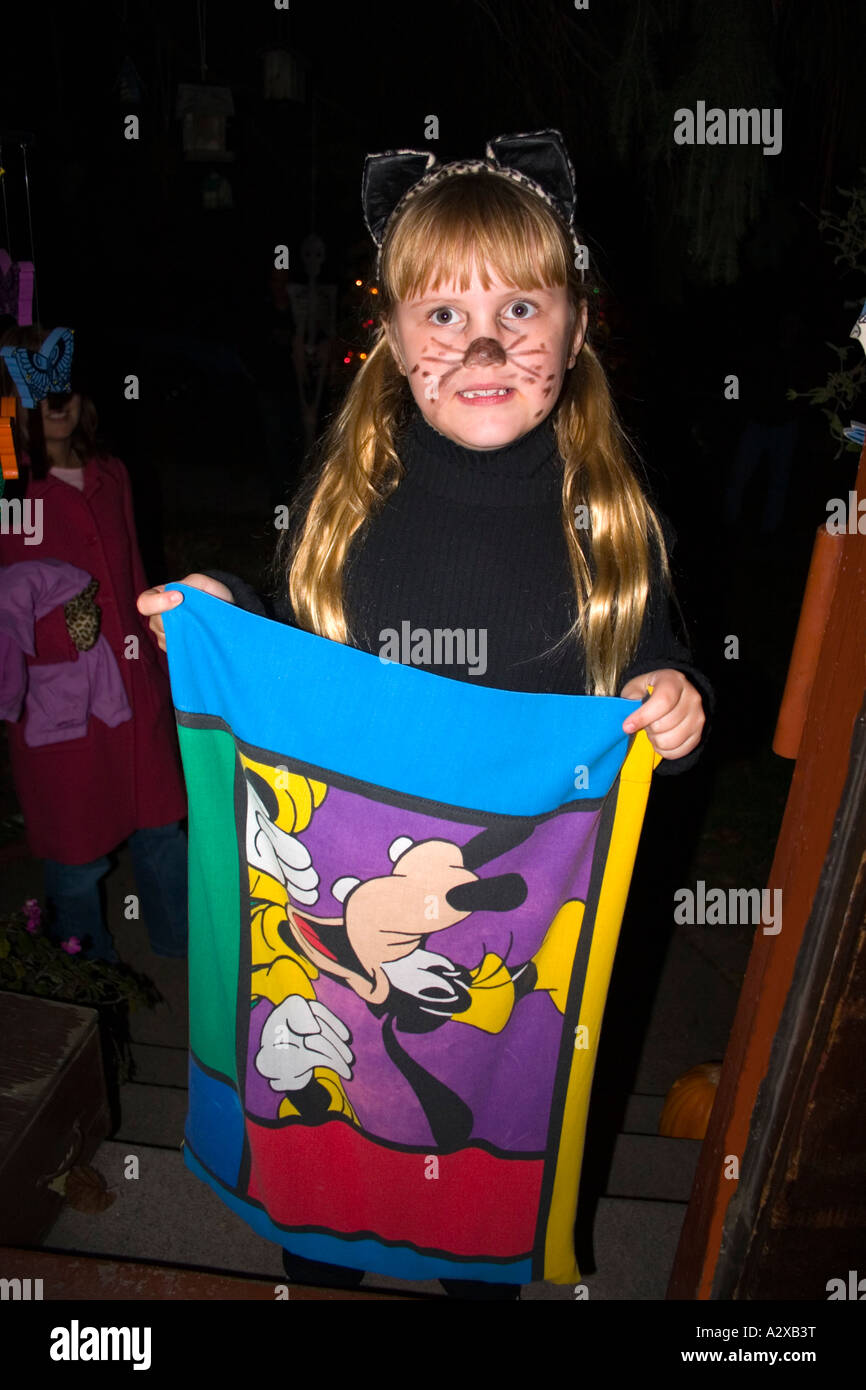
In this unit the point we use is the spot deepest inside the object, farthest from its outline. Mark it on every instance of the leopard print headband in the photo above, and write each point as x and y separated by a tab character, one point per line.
537	160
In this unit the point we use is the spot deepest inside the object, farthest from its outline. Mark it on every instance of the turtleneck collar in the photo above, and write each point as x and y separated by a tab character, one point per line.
519	472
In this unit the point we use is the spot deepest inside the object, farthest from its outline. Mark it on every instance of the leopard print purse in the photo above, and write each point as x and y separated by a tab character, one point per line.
83	617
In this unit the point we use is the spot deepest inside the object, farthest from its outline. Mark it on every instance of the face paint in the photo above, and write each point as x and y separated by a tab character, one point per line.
484	352
496	368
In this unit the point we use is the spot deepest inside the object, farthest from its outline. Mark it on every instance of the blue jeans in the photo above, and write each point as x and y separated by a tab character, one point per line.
76	894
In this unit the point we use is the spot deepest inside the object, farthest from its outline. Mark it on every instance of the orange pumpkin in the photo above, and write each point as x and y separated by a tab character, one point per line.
686	1111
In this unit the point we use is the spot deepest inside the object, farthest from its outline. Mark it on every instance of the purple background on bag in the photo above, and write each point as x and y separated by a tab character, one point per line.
506	1078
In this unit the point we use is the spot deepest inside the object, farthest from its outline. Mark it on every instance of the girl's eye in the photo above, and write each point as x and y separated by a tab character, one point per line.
521	309
524	309
443	323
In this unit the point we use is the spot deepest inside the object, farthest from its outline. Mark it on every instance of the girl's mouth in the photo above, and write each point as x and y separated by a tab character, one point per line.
496	395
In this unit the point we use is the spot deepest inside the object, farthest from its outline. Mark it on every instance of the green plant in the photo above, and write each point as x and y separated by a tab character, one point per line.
31	963
845	384
849	231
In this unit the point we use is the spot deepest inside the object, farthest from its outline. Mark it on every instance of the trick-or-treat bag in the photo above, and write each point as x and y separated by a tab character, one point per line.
405	895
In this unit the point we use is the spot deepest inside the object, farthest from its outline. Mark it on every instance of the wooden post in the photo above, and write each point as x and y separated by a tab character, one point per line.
817	785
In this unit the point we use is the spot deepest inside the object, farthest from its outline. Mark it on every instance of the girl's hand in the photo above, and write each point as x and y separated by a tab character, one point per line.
154	602
673	716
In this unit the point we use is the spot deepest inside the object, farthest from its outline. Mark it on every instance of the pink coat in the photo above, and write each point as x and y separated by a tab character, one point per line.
83	797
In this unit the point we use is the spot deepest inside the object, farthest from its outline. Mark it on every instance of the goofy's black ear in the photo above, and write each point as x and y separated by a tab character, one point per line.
497	839
386	178
540	155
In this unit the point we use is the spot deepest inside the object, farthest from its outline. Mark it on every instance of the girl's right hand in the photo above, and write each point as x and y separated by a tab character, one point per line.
154	602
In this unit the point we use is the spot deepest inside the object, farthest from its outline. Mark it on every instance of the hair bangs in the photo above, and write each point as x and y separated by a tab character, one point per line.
473	222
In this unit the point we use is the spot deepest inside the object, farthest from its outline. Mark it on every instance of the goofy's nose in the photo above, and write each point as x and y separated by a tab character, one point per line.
484	352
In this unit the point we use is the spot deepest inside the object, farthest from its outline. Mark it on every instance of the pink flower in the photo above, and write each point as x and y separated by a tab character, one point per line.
72	946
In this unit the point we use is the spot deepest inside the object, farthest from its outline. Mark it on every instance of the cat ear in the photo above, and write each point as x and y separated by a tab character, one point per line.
539	155
386	178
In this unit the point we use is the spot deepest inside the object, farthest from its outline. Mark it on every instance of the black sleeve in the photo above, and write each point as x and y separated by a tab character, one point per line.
278	609
659	646
274	606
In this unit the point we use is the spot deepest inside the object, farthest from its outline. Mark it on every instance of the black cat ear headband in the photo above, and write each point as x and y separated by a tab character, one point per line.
537	160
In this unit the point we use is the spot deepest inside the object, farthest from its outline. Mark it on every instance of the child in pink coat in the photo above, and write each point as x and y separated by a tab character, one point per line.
82	797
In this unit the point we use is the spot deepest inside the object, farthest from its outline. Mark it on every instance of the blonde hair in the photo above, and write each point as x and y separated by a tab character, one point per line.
483	220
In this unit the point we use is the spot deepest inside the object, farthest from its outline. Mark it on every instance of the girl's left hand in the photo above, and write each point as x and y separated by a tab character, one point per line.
673	716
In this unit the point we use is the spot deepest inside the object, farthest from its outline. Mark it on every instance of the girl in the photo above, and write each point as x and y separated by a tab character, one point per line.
83	796
476	478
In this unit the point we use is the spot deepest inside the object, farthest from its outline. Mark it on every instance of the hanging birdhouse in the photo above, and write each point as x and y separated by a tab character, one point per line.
204	112
284	77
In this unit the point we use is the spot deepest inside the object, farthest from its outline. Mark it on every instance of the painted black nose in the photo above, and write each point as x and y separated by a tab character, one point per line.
484	352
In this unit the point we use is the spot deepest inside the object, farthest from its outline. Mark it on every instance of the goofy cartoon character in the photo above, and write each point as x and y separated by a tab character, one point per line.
377	948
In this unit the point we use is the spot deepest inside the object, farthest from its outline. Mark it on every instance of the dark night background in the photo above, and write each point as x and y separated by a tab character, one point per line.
700	252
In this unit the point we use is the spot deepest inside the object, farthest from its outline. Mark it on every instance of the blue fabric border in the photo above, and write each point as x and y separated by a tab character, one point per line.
339	708
215	1123
398	1262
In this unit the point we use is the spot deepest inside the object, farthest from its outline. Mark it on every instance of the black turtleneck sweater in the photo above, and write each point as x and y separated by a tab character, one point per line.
472	540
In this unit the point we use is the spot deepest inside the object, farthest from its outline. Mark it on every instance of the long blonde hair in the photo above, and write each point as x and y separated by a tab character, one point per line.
483	220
